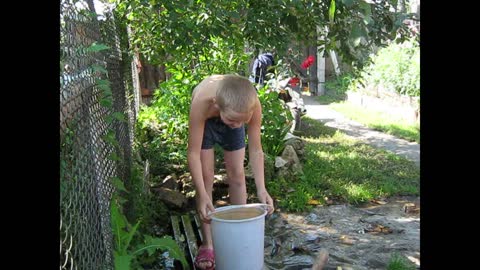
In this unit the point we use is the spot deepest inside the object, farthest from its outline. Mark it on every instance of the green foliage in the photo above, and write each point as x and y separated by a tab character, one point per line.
336	88
222	56
69	162
145	205
176	93
185	29
291	197
331	11
152	244
397	262
340	84
331	97
126	253
359	27
97	47
276	121
162	128
395	68
269	167
129	241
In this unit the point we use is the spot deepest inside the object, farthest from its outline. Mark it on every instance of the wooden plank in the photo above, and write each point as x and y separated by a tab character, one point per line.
191	239
176	231
199	228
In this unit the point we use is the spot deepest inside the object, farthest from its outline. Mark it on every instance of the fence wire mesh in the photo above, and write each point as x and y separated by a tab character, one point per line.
87	161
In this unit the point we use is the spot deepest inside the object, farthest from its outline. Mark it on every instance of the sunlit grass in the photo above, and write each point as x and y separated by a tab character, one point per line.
397	262
396	126
339	168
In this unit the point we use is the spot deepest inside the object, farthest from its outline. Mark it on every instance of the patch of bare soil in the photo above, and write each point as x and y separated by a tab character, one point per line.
356	237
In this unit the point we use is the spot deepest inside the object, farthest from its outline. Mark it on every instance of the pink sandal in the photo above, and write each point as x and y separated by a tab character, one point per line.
205	255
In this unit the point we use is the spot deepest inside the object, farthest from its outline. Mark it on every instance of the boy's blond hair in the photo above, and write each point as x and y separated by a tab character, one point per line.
236	93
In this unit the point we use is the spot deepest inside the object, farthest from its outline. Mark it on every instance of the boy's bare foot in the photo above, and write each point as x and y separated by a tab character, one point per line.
321	259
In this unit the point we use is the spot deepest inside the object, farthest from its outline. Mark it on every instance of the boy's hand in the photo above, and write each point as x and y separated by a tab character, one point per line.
204	205
264	197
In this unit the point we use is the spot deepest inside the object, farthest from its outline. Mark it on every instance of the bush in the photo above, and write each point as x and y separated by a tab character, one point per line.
395	68
162	128
276	122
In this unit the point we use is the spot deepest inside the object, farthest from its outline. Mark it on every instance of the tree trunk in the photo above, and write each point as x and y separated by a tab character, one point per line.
149	73
150	77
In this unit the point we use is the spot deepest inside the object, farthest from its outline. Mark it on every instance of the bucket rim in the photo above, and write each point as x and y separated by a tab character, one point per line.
229	207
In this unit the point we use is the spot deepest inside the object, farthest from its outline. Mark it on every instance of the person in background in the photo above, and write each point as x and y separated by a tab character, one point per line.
262	65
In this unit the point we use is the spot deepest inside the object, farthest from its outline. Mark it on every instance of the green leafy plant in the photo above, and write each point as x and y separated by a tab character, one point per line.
397	262
340	84
145	205
395	68
162	128
184	30
276	121
126	254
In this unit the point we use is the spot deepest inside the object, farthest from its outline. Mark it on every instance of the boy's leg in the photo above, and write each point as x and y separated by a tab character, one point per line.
207	159
236	176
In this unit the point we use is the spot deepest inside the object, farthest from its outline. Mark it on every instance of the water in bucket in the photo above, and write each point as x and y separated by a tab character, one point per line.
238	237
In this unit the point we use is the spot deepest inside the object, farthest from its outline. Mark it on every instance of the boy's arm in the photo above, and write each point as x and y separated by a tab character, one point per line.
196	126
256	158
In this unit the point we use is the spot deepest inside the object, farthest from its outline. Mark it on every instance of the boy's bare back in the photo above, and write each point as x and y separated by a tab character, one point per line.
203	97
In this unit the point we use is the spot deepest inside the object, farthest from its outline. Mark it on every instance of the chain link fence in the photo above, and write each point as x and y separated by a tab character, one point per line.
87	161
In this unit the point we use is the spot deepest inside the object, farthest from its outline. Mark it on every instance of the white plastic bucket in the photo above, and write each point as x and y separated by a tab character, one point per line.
238	237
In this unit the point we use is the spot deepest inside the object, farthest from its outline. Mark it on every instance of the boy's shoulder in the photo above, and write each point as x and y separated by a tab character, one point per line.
211	79
205	90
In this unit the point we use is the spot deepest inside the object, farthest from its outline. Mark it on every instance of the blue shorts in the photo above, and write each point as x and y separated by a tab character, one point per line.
228	138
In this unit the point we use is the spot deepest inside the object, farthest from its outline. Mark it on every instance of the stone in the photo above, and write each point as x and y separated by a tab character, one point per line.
170	182
171	197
